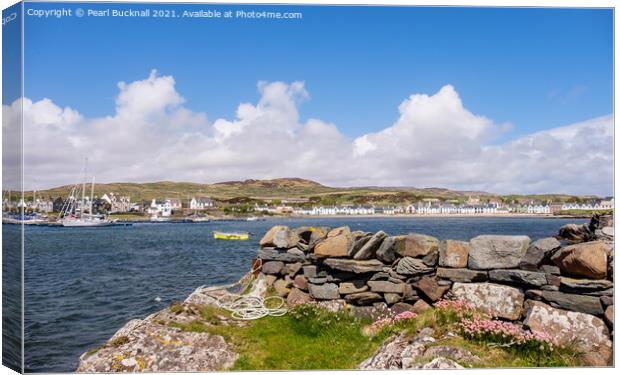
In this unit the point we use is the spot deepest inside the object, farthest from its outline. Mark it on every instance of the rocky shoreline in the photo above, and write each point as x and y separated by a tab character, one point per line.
560	285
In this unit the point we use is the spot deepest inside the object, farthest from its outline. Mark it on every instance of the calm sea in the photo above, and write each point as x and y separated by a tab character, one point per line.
83	284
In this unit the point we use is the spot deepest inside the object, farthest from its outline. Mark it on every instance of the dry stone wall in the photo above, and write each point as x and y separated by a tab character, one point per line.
563	284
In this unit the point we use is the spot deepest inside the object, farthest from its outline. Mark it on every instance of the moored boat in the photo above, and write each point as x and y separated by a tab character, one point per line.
231	235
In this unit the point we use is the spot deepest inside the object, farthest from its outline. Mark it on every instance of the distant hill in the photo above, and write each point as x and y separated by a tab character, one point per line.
282	188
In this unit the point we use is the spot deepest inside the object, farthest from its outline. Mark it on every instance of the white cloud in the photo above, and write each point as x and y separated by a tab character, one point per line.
436	141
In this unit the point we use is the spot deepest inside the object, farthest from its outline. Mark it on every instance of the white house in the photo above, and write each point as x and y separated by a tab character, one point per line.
201	203
159	208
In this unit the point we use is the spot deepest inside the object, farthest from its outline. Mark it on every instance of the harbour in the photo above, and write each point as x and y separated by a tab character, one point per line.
83	284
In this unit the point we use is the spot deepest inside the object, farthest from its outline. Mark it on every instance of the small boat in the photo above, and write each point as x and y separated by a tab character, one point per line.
231	235
251	218
158	219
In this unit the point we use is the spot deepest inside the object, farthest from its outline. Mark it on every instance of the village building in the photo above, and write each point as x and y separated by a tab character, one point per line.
201	203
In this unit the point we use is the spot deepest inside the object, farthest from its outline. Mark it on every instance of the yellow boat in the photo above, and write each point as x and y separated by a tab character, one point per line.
231	235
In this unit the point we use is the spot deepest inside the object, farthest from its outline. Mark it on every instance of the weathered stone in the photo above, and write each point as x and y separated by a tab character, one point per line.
554	280
335	245
270	279
579	286
463	275
574	302
418	245
492	251
282	287
295	251
297	297
412	266
410	294
400	307
456	353
355	286
392	298
369	249
587	332
363	298
385	287
380	276
281	237
439	363
575	232
357	244
304	233
145	350
317	280
607	300
609	315
412	354
389	249
552	270
272	268
588	259
293	268
324	291
533	294
309	271
355	266
500	300
318	234
300	282
530	278
420	306
430	288
334	305
279	255
388	355
453	254
608	231
537	252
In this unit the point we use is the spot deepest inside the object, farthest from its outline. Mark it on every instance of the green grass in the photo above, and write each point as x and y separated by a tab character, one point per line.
309	338
316	340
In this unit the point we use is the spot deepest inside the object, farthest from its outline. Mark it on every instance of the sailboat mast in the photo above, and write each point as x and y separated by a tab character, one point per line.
92	193
83	189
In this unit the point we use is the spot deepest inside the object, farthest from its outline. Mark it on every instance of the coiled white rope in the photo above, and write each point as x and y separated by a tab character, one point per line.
254	307
248	307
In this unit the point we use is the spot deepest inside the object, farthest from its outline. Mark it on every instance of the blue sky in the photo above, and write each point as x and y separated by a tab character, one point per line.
534	68
506	100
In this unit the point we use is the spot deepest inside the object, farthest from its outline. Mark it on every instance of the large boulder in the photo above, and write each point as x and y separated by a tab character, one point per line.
586	331
418	246
537	252
359	239
389	249
493	251
529	278
369	249
324	291
453	254
354	266
412	266
500	300
281	237
336	244
588	259
317	235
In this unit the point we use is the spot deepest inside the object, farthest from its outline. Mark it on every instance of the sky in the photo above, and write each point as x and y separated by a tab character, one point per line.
497	99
